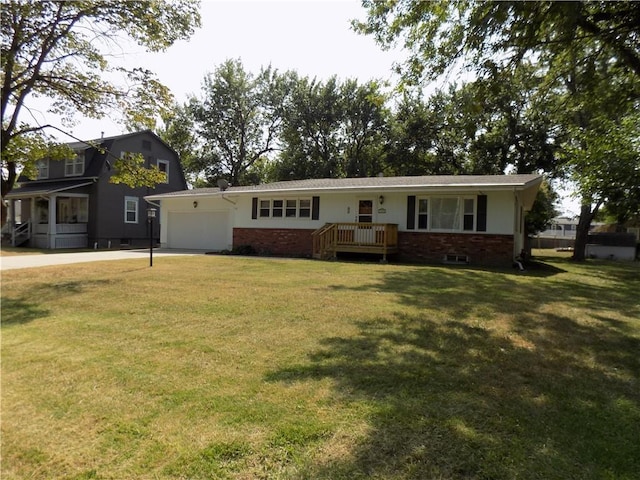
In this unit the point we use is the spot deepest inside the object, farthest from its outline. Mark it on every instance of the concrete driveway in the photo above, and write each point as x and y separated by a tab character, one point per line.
47	259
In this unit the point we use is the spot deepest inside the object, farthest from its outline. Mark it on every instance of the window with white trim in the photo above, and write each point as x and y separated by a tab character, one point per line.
74	167
304	208
163	166
285	207
42	167
423	213
447	214
130	209
468	213
265	208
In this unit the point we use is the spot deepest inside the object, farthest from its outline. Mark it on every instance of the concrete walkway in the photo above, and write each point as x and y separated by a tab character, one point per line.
47	259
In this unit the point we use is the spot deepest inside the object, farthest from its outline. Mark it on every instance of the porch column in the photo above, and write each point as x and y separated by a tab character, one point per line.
12	221
51	228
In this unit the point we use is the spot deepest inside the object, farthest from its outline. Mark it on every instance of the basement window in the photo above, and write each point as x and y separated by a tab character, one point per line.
455	258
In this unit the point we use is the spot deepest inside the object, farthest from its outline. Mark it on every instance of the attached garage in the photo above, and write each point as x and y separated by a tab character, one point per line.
198	230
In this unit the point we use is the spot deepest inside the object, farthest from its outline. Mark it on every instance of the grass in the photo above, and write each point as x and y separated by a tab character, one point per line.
241	368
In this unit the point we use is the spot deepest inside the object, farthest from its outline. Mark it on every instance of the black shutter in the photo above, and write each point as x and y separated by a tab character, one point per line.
315	208
254	208
481	221
411	212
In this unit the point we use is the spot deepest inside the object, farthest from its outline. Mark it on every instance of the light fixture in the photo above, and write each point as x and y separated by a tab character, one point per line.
195	204
381	199
151	214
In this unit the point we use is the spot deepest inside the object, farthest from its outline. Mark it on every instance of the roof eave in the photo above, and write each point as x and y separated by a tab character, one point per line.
444	187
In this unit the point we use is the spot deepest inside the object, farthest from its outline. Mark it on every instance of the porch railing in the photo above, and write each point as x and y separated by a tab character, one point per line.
21	234
355	237
60	228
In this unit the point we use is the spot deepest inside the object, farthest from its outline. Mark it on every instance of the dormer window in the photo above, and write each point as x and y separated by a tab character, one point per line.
42	166
163	166
74	167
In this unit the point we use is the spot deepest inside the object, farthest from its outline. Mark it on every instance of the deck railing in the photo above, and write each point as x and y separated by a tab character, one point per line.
355	237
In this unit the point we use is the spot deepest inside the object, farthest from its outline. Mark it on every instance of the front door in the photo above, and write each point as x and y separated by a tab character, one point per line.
365	211
364	234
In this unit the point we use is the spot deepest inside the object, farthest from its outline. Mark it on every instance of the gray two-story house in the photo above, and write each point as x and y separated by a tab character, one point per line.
73	204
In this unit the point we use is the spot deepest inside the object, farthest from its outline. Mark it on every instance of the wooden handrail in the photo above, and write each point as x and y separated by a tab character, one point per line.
330	238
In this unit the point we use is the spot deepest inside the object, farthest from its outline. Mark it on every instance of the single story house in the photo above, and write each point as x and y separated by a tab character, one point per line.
73	204
476	219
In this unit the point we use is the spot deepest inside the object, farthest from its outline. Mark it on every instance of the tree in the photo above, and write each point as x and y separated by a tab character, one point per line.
575	46
311	138
52	49
364	127
238	120
333	129
178	131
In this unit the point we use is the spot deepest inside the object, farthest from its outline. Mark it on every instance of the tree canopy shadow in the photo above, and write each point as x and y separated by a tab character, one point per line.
453	401
19	311
29	305
450	399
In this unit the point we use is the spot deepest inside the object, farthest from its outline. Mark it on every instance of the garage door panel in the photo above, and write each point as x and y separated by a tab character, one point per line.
198	231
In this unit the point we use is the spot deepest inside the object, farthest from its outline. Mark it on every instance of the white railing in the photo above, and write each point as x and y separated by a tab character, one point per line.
71	228
21	234
72	241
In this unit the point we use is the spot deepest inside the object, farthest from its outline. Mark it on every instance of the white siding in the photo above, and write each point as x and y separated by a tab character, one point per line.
208	226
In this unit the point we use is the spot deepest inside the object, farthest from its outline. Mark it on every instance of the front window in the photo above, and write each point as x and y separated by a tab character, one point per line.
265	208
446	213
468	214
305	208
285	208
74	167
423	213
130	209
72	210
276	211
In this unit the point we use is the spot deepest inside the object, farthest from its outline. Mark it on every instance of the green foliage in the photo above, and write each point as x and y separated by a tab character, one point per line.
583	57
543	210
178	131
33	146
442	36
238	120
130	170
53	49
333	129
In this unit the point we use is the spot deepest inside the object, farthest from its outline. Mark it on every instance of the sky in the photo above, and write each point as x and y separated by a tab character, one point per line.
312	37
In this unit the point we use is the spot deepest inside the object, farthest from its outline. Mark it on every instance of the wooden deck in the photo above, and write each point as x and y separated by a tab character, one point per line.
332	238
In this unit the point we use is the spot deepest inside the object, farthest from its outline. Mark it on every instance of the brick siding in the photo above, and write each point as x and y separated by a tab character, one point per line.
276	241
482	249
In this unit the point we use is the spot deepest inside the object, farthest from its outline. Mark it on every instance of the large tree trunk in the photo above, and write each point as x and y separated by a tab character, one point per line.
7	185
582	233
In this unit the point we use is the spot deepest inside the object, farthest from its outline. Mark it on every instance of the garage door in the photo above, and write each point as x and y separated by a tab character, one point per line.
198	231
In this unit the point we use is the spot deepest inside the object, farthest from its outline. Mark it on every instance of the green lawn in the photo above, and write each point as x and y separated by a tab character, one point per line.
244	368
